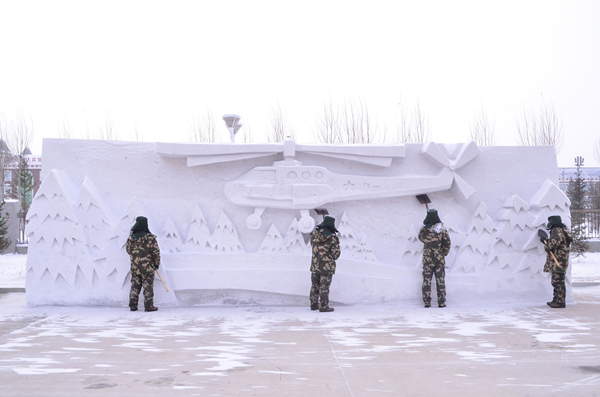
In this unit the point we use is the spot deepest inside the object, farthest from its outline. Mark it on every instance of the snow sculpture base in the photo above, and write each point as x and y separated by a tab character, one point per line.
232	220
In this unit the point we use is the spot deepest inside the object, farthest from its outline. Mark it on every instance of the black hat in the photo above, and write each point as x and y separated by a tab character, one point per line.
141	223
553	220
432	218
140	229
329	223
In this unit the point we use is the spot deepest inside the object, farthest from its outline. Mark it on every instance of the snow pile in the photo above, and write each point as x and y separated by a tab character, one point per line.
586	268
12	270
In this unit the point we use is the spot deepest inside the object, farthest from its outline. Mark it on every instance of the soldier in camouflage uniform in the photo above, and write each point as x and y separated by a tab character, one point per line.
145	260
436	242
325	250
559	244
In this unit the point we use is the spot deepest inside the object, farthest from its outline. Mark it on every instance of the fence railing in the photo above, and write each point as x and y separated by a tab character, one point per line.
591	220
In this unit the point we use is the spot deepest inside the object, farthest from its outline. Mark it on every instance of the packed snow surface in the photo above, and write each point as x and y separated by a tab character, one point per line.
12	270
465	349
584	269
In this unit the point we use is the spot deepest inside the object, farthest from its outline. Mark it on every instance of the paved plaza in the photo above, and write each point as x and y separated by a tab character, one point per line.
475	350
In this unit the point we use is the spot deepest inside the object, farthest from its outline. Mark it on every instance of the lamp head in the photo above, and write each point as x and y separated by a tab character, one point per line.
231	120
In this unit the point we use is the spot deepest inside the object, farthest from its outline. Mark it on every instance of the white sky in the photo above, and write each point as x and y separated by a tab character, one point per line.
154	64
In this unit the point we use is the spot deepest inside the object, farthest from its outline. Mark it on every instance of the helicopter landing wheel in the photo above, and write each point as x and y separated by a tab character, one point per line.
306	223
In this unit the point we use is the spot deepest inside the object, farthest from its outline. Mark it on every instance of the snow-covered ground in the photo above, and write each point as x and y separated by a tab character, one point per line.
12	270
525	348
585	269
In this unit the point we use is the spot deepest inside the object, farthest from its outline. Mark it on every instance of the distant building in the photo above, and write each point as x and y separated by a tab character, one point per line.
591	175
11	166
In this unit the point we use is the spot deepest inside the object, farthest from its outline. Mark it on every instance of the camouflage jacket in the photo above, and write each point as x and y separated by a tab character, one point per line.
559	243
436	245
145	254
325	251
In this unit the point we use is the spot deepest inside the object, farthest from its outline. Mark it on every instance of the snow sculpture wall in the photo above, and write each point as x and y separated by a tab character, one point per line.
232	220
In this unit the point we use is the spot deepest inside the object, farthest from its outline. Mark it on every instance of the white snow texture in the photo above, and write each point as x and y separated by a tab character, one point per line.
198	198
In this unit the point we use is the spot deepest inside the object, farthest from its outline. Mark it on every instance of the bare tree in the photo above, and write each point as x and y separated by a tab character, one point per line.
543	128
403	126
351	122
20	133
280	127
137	135
357	123
85	134
246	133
106	130
413	124
421	124
204	128
483	131
327	128
64	129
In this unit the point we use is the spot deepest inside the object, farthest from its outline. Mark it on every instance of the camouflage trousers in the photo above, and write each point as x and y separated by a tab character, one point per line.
560	290
137	282
440	282
319	290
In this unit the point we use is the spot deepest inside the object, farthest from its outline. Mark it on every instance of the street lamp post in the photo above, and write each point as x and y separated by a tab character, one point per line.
233	125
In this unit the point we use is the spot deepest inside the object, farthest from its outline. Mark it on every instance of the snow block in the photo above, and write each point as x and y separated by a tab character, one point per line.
219	211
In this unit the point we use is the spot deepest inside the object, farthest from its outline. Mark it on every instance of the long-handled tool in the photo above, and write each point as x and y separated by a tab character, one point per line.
542	233
424	199
163	281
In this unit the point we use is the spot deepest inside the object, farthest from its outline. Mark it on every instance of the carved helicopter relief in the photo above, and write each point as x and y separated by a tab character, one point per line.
289	184
300	187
